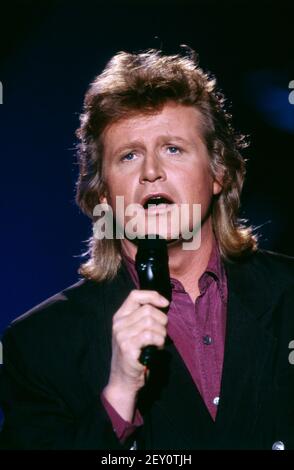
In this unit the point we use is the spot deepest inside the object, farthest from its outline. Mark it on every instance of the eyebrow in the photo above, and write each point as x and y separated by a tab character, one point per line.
124	147
138	143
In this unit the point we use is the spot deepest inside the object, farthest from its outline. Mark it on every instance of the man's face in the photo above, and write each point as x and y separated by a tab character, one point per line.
161	155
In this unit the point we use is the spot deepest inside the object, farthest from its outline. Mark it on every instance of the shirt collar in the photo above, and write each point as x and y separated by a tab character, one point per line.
214	271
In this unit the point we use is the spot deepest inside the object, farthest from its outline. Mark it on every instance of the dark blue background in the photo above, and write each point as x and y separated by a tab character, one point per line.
51	50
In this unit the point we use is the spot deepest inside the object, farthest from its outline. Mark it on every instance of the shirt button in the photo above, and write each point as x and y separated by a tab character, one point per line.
279	445
216	401
207	339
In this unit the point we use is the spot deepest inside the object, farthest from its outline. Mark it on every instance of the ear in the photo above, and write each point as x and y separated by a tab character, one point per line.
103	199
217	187
218	181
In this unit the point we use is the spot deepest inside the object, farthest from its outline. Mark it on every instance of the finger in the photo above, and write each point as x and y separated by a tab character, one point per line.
146	314
132	335
141	297
140	330
151	338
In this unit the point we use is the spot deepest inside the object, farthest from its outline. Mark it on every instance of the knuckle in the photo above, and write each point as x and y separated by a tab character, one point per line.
125	346
164	318
148	321
133	294
147	309
148	336
117	316
119	337
115	323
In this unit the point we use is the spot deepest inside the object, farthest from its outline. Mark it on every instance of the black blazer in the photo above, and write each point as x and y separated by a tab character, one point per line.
57	362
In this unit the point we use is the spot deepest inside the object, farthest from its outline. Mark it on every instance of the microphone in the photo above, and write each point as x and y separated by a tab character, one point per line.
153	272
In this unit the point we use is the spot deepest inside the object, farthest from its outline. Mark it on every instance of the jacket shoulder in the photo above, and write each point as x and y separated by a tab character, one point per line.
57	313
276	266
261	278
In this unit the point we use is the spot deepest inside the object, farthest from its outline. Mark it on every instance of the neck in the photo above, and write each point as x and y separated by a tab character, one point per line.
185	265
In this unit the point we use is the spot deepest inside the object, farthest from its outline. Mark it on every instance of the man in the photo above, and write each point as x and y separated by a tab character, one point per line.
154	130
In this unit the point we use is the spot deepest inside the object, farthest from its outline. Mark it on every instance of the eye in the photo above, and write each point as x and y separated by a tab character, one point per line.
173	150
128	157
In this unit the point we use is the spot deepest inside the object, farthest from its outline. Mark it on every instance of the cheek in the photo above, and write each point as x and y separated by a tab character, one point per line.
200	188
113	182
118	186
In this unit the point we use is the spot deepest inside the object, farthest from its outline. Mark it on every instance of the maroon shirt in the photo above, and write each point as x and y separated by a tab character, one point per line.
198	332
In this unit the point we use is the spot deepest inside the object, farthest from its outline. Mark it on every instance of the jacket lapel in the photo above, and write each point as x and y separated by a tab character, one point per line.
248	348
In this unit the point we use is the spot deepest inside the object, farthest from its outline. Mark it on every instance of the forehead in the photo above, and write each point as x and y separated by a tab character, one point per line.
171	120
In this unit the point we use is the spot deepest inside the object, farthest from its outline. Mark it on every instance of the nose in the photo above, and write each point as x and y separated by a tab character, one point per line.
152	169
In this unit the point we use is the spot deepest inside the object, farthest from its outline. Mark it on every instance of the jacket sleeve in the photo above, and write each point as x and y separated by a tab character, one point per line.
36	417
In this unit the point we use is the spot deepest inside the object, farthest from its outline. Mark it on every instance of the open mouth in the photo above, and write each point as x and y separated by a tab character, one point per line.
157	202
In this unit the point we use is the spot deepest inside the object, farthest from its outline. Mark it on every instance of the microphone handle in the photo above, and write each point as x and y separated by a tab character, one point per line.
154	277
148	352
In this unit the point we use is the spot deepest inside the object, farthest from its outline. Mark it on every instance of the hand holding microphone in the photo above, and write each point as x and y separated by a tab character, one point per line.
153	273
139	323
